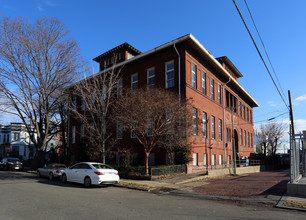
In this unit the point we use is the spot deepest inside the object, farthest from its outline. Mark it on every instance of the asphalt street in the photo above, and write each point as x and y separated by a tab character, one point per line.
24	196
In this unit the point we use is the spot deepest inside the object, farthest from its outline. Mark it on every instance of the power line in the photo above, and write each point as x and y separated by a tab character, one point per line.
264	47
260	54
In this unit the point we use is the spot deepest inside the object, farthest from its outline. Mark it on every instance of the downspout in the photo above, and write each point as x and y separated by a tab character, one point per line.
179	72
224	124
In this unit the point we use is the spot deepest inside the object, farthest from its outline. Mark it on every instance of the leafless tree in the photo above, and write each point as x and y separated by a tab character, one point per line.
98	94
37	61
269	136
155	117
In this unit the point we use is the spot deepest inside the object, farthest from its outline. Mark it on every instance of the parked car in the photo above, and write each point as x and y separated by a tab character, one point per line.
90	173
52	171
11	163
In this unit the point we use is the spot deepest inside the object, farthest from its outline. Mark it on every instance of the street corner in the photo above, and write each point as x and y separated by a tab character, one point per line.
294	203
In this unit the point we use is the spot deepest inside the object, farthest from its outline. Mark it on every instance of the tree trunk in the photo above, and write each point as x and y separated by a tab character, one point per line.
147	162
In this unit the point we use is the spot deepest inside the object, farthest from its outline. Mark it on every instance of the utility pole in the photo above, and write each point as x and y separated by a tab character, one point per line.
294	165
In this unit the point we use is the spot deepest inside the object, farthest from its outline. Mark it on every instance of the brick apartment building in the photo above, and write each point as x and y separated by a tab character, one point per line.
222	108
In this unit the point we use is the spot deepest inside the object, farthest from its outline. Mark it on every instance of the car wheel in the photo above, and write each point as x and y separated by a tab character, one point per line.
51	176
38	174
64	178
87	182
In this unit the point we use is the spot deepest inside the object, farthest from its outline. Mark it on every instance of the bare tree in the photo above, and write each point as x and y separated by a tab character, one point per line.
154	117
37	61
270	137
98	93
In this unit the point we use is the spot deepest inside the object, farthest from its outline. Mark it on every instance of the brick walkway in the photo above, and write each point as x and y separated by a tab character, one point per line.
254	185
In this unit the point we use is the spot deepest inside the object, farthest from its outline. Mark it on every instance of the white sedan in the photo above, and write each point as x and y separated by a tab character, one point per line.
90	173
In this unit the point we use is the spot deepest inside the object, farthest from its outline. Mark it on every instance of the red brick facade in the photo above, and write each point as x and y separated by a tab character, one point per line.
221	77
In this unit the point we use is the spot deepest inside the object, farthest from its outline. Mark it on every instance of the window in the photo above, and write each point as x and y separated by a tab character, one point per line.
74	103
194	75
204	159
219	93
194	121
248	139
251	140
203	82
133	129
220	159
119	130
213	159
251	116
247	114
240	107
119	88
170	74
204	121
212	89
16	136
83	105
134	82
73	134
241	137
150	127
228	159
245	141
243	112
82	133
151	78
220	130
195	159
213	136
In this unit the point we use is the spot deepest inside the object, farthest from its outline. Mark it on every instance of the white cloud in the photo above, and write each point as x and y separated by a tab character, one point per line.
299	99
272	104
39	7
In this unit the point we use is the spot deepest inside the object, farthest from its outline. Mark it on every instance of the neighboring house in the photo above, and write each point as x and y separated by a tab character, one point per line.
15	141
222	109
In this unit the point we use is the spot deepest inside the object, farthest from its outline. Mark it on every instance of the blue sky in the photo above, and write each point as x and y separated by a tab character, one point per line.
99	25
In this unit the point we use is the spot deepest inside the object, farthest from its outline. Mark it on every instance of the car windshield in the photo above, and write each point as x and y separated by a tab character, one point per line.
13	159
101	166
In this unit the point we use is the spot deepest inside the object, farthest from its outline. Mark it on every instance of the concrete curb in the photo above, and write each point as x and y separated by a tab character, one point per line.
282	206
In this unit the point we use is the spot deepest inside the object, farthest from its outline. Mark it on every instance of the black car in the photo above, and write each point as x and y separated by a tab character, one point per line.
11	163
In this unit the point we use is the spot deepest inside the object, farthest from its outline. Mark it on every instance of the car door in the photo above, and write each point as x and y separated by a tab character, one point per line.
82	172
72	173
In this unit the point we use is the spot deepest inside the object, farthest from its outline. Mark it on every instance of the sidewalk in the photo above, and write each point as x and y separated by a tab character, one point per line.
263	188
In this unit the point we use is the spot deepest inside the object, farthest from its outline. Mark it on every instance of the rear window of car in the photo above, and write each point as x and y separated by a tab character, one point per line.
101	166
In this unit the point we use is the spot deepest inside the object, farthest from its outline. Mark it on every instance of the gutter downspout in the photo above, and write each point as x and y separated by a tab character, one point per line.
224	124
179	72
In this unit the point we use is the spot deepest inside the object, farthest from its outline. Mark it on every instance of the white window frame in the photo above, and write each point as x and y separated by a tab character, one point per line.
134	82
194	75
220	129
213	129
204	159
219	94
213	159
212	88
204	123
195	159
150	86
194	121
204	82
166	74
